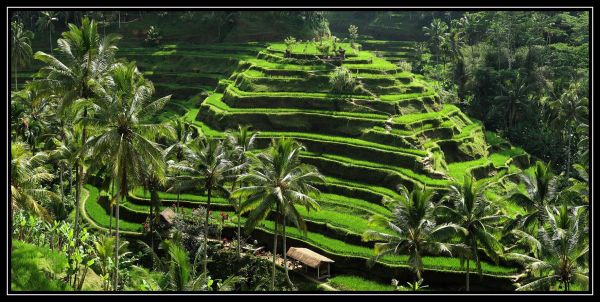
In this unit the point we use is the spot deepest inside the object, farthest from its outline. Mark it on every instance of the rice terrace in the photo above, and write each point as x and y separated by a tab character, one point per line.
299	151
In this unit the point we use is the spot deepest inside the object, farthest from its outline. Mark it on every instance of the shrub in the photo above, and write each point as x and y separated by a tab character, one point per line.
153	36
342	80
289	43
353	34
404	66
323	48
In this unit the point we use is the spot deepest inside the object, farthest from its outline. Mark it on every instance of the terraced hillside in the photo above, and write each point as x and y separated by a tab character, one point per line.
394	131
393	51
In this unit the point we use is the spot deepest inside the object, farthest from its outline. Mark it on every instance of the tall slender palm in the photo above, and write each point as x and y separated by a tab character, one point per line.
27	172
35	114
20	47
154	179
415	230
240	142
46	21
277	182
514	98
125	135
436	33
177	151
206	164
584	142
540	190
84	56
471	211
65	154
571	108
561	251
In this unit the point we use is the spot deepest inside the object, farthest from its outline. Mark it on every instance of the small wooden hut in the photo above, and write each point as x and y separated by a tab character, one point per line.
311	259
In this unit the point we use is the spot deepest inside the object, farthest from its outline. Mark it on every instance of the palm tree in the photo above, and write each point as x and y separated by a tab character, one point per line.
206	164
125	134
65	154
178	151
475	214
46	21
180	274
240	142
514	98
20	47
571	108
84	57
27	172
154	179
540	190
436	33
35	114
560	251
583	145
414	229
278	181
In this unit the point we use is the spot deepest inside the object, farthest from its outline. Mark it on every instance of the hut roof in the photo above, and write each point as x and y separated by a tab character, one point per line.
168	215
308	257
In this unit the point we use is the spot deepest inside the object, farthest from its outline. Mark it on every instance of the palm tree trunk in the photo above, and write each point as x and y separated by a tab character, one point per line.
274	257
111	208
78	172
70	180
237	212
287	275
206	231
116	273
151	229
78	177
468	274
123	191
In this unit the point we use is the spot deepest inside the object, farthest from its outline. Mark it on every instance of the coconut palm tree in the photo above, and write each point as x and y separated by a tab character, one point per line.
181	274
154	179
34	113
475	214
560	251
514	98
277	182
540	190
27	173
178	151
125	133
65	154
206	164
584	142
20	47
45	21
240	142
437	35
84	56
415	230
571	108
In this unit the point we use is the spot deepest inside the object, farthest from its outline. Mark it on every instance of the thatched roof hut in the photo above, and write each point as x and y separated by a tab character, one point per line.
168	215
311	259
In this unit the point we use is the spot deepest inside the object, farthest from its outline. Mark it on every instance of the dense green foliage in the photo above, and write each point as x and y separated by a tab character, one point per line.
357	148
